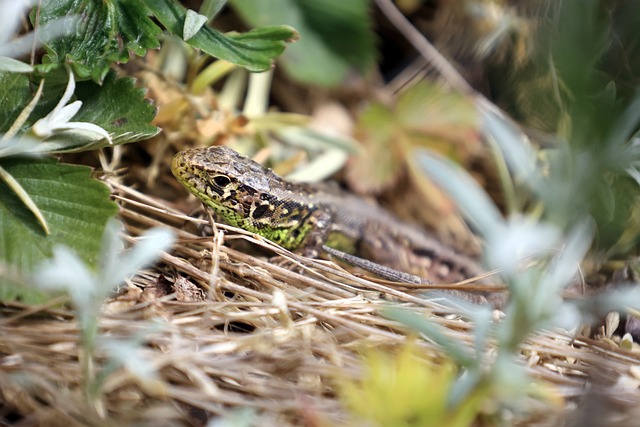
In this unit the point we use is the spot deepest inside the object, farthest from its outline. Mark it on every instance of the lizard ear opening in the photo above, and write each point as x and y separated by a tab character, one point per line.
221	181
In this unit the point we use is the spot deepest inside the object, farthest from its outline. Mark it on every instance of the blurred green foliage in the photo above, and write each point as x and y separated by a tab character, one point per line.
335	37
581	181
578	95
404	389
594	50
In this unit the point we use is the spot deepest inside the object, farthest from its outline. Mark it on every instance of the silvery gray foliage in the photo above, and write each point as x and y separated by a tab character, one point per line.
129	353
87	288
537	259
23	146
15	47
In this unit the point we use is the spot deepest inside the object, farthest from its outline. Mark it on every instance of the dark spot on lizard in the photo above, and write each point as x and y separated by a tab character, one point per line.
426	253
246	189
218	191
259	211
295	233
294	216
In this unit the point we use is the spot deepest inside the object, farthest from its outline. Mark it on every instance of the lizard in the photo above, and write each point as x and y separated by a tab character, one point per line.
310	218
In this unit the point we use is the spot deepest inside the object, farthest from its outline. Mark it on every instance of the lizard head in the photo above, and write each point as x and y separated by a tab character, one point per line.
234	186
245	194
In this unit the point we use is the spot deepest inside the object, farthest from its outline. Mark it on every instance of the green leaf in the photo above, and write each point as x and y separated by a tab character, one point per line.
117	106
254	50
424	115
75	206
336	37
15	93
24	197
379	164
210	8
106	32
14	66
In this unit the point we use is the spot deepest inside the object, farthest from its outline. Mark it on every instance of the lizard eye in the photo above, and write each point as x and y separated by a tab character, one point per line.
221	181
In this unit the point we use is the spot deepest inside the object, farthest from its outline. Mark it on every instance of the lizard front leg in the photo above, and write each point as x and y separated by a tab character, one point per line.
312	233
318	226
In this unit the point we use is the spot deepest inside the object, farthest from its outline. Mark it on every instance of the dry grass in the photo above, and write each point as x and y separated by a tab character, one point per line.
230	330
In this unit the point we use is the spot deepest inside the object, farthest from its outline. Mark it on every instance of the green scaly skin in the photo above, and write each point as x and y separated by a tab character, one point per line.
303	218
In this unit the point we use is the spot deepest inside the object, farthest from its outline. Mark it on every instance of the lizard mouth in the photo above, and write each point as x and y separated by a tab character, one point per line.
179	169
188	175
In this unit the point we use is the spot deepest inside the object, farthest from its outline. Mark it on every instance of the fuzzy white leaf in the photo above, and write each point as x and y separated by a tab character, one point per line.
21	46
23	146
513	144
566	316
192	23
566	264
626	124
57	121
110	252
65	272
14	66
127	353
10	11
520	238
476	206
147	249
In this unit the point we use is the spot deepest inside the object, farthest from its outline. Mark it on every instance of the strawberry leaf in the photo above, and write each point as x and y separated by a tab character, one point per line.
75	206
107	31
254	50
